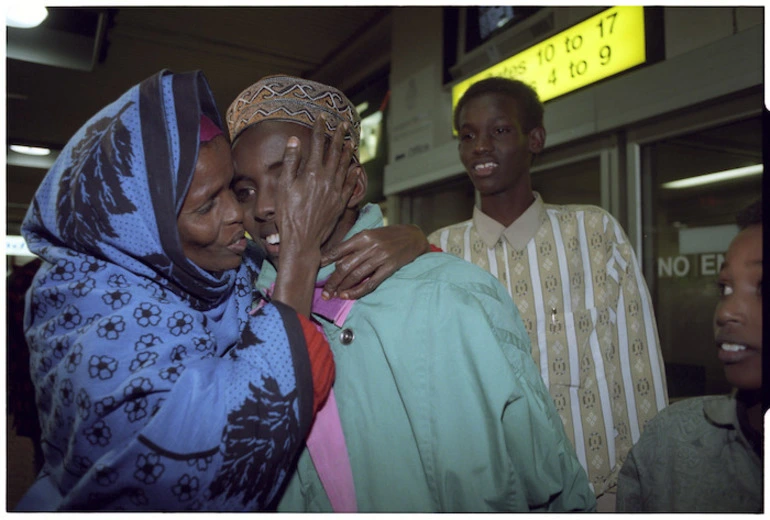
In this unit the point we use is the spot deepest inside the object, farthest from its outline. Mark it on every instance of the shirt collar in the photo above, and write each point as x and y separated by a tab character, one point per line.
731	413
519	233
722	412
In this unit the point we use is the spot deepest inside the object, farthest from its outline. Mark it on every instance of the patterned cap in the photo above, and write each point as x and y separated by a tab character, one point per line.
295	100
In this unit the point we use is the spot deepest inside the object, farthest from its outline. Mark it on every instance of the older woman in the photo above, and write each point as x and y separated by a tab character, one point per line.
158	387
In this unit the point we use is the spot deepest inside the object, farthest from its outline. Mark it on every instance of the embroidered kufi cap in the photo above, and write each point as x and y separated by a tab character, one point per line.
295	100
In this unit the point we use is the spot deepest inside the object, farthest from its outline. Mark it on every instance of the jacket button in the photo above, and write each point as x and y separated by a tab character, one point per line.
346	337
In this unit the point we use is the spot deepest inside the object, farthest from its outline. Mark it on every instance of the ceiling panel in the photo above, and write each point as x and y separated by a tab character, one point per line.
234	46
303	34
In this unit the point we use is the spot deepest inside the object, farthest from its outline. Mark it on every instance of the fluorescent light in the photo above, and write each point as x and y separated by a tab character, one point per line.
24	159
362	107
25	16
30	150
710	178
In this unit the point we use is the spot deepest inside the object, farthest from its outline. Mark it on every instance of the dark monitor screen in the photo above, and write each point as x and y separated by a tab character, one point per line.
482	22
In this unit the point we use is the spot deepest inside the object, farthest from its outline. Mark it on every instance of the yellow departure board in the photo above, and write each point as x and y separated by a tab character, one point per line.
601	46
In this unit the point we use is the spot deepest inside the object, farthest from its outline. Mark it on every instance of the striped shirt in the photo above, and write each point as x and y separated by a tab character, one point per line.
577	284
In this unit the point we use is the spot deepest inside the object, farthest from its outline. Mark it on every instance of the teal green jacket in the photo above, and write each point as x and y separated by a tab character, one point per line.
440	402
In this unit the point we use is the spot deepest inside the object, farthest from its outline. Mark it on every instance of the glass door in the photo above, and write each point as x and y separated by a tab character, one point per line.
692	186
580	173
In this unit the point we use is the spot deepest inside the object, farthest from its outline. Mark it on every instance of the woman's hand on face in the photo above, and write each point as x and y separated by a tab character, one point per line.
368	258
311	198
308	204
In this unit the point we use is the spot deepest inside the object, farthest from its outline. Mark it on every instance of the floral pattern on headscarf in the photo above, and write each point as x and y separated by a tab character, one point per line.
156	388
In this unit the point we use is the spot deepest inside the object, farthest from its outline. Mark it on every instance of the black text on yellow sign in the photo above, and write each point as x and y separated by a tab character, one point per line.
601	46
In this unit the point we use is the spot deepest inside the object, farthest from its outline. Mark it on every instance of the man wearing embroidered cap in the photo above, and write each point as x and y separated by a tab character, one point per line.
293	100
437	404
376	253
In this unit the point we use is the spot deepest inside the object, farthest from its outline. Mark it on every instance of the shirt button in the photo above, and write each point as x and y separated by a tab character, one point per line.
346	337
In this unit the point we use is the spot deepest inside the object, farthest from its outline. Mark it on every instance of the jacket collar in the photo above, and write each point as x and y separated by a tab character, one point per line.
335	310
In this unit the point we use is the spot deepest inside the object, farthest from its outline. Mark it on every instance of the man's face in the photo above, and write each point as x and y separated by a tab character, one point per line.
493	148
258	160
738	316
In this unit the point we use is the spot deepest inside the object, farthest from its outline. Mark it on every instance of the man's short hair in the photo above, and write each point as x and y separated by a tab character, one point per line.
525	96
750	215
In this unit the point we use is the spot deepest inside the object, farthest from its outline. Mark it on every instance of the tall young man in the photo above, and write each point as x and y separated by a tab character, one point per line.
437	405
571	272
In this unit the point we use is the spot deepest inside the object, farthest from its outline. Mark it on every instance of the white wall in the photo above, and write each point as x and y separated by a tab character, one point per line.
418	115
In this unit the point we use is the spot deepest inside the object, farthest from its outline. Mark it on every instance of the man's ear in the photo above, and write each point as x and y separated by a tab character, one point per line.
536	140
361	182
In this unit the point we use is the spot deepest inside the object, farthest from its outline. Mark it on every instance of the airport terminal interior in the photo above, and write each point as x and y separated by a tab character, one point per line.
669	141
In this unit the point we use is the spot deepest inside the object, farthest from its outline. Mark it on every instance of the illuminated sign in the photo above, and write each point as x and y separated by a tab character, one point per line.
604	45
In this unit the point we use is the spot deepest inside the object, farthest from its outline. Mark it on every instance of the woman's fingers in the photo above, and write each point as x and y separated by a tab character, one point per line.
365	287
317	143
336	167
292	154
347	275
338	139
345	179
315	190
333	161
367	258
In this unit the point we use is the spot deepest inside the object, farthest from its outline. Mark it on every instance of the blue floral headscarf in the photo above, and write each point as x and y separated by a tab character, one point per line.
156	388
